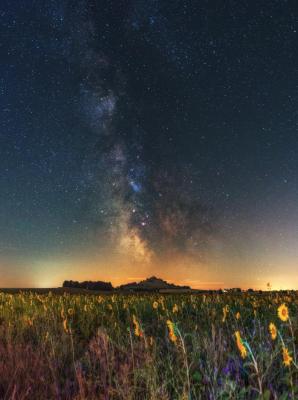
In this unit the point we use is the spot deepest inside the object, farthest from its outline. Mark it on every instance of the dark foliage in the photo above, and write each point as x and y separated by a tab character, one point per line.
90	285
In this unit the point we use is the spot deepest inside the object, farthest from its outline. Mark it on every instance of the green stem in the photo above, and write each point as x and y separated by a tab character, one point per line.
255	366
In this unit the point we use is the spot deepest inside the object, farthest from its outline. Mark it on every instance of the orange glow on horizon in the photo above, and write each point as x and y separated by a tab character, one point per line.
133	262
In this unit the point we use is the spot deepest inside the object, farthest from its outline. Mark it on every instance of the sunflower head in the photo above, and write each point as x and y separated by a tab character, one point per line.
240	345
283	312
287	359
137	328
65	326
175	308
225	312
171	328
272	330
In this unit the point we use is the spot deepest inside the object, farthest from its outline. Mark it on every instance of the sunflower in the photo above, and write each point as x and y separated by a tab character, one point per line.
155	305
171	328
272	330
283	312
138	330
175	308
225	311
65	326
287	359
240	345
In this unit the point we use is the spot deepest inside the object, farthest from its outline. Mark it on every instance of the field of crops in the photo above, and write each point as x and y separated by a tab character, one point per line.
227	346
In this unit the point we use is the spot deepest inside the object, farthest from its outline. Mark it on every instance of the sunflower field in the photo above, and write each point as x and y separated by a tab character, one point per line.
148	346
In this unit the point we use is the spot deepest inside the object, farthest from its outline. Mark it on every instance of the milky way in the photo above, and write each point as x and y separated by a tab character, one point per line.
141	192
151	132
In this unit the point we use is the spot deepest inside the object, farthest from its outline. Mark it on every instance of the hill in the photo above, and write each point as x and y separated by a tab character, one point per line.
151	284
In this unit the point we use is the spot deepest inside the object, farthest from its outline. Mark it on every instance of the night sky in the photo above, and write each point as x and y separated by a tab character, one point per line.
149	137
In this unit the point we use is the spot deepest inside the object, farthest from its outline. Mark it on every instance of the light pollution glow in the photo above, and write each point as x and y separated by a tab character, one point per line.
228	262
212	273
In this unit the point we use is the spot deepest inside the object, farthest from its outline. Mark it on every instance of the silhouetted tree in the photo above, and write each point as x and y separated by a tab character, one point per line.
90	285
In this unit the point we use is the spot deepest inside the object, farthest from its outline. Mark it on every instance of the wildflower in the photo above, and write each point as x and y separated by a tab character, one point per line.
272	330
175	308
240	344
171	328
138	330
155	305
283	312
70	311
237	315
287	359
225	311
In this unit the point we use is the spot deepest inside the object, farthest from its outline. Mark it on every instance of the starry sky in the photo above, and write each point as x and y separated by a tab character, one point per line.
145	137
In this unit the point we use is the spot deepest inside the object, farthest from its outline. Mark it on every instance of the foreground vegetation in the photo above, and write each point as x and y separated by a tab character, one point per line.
229	346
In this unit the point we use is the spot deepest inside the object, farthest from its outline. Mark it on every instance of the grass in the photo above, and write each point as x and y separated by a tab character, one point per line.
157	347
